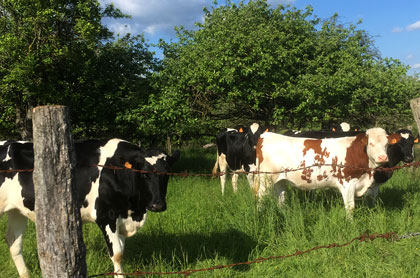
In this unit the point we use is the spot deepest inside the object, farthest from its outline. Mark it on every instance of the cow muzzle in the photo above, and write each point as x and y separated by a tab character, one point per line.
157	206
382	158
408	159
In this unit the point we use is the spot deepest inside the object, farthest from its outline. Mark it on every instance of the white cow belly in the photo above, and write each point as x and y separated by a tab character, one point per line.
128	227
11	198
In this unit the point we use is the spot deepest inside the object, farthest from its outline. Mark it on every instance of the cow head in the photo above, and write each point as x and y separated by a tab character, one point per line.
143	188
406	145
254	132
156	184
377	143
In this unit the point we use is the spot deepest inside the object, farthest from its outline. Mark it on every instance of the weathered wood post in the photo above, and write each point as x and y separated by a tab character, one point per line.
415	108
61	249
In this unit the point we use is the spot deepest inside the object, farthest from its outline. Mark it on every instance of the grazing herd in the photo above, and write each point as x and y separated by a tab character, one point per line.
118	201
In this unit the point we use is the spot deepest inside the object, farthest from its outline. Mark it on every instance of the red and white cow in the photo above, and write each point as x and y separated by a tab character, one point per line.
278	155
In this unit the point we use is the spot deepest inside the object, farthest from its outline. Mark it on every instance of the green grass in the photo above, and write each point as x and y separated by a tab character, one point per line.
202	228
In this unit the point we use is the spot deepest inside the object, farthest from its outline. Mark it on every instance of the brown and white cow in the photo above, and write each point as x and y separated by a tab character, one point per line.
278	155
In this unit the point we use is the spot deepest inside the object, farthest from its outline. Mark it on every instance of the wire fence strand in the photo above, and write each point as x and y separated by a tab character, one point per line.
365	237
287	170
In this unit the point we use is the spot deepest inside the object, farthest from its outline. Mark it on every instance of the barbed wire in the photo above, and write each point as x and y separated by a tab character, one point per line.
287	170
365	237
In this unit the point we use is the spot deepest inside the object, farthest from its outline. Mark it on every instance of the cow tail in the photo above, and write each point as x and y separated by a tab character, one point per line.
216	165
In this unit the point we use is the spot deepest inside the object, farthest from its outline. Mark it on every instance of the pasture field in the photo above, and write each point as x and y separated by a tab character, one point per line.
201	228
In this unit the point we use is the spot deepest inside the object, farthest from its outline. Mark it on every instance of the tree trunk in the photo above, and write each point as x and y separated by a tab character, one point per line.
415	108
24	123
61	249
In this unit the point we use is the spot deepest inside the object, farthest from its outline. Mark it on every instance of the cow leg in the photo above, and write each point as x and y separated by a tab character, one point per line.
261	184
372	194
251	176
116	245
280	191
348	191
235	182
223	167
14	238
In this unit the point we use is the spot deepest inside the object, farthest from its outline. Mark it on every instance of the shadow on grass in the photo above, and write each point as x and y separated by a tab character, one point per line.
232	245
402	186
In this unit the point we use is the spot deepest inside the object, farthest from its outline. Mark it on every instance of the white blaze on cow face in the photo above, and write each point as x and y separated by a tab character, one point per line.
345	126
153	159
405	135
254	127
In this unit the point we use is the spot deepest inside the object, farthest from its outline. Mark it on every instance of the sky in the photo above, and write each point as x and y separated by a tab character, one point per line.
394	25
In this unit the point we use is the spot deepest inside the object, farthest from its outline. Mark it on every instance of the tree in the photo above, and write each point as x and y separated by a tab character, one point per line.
285	67
58	52
234	69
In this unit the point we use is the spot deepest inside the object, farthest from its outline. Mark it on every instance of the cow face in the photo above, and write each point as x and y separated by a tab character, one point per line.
254	133
156	184
406	145
377	143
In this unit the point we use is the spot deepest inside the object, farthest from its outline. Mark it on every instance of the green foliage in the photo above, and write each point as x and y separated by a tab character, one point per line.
285	67
58	52
246	62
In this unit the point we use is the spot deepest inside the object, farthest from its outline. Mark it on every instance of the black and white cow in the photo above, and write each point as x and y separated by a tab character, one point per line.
236	151
116	200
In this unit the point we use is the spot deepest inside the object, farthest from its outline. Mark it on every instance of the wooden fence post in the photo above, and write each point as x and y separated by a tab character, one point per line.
61	249
415	108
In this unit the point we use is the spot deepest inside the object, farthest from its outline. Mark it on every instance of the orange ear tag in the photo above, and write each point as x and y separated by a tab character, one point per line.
241	130
128	165
416	140
393	141
333	129
266	130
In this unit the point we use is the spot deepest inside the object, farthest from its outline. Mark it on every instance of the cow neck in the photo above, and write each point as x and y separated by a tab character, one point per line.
259	153
357	158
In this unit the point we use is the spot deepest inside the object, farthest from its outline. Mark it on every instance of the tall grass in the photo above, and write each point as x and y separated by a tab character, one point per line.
201	228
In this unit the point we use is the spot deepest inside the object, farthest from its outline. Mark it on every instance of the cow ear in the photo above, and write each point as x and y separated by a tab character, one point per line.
241	130
416	140
394	138
128	165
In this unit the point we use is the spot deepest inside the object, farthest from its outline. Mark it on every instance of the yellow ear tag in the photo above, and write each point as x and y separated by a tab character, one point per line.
128	165
241	130
416	140
355	129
